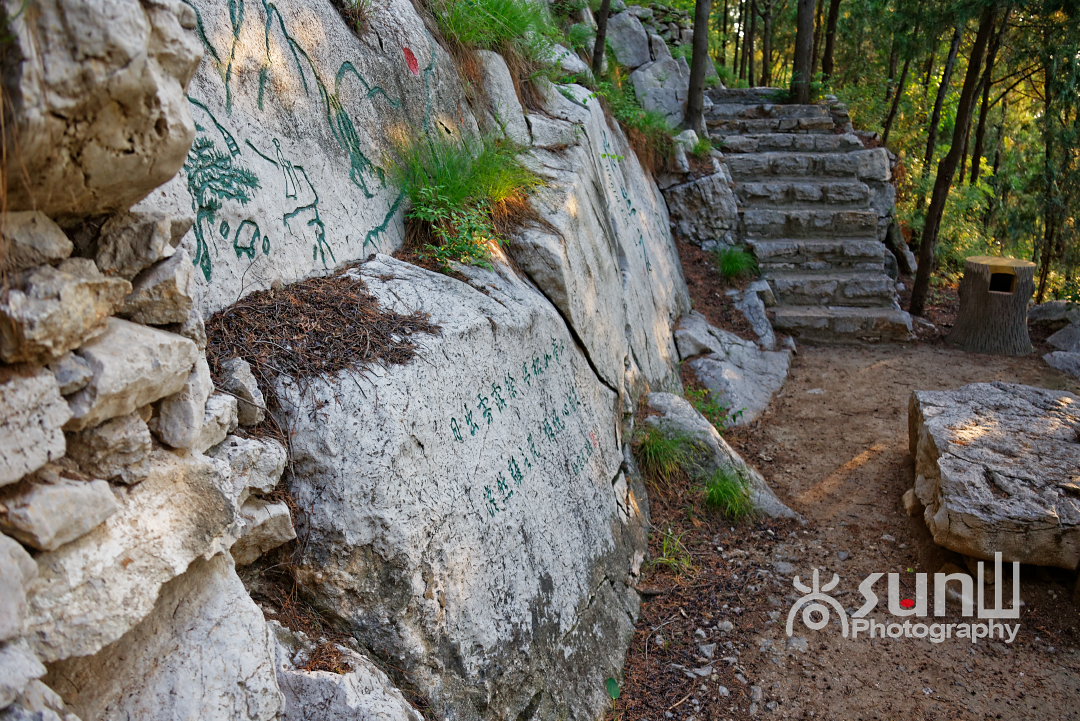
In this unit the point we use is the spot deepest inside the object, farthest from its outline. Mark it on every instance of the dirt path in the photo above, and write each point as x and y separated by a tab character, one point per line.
834	445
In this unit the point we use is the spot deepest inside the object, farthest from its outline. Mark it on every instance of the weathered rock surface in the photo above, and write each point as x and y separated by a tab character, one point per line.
662	86
17	569
1064	361
287	174
711	451
997	466
204	652
364	692
93	590
612	244
128	242
32	239
52	510
740	375
101	115
180	417
1058	312
504	109
32	413
133	365
628	40
72	373
114	450
514	561
255	465
1067	339
219	420
238	380
703	211
18	668
37	702
265	526
50	311
162	294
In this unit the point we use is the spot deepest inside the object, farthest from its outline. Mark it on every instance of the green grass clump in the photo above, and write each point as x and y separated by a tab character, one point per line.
673	553
648	131
521	28
728	491
702	148
714	411
663	457
736	263
467	194
580	37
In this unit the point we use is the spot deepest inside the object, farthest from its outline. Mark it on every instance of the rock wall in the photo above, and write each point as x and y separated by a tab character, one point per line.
468	523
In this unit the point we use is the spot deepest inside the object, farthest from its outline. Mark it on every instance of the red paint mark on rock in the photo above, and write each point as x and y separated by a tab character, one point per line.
908	603
410	58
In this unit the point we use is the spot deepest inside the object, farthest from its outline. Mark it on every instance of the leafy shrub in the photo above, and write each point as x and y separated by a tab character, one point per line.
735	263
468	195
663	457
702	148
728	491
580	36
649	131
357	13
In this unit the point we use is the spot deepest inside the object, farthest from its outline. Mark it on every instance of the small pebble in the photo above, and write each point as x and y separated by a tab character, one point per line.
843	555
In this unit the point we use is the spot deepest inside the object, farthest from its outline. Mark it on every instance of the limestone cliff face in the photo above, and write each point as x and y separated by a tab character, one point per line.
468	518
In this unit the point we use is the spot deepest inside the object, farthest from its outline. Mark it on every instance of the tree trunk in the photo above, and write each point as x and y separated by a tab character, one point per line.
894	64
930	67
804	52
695	98
994	295
819	31
601	37
830	40
737	59
947	166
896	102
766	44
749	44
723	34
935	117
984	110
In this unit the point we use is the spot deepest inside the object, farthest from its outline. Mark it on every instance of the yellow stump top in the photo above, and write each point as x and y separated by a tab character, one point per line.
998	264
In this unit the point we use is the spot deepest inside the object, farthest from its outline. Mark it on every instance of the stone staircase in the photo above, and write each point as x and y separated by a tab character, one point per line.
814	206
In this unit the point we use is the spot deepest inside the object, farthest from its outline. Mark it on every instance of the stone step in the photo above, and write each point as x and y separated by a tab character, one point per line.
871	164
760	223
819	254
834	288
730	126
747	96
843	324
789	142
741	111
803	193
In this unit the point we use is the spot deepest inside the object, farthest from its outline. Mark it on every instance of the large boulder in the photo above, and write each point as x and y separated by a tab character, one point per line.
287	173
1067	339
997	466
95	101
204	652
628	40
738	374
662	86
483	539
1064	361
606	258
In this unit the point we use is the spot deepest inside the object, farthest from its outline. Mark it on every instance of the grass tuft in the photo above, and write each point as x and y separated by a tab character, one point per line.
728	491
648	131
735	263
467	195
673	553
663	457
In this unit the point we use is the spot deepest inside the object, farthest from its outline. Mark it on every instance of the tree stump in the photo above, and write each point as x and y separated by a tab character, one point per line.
994	295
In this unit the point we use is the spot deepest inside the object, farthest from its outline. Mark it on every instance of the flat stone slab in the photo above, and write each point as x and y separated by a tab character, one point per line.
997	466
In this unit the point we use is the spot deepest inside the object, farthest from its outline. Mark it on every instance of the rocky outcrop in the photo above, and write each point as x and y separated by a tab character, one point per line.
711	452
996	468
97	109
740	376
